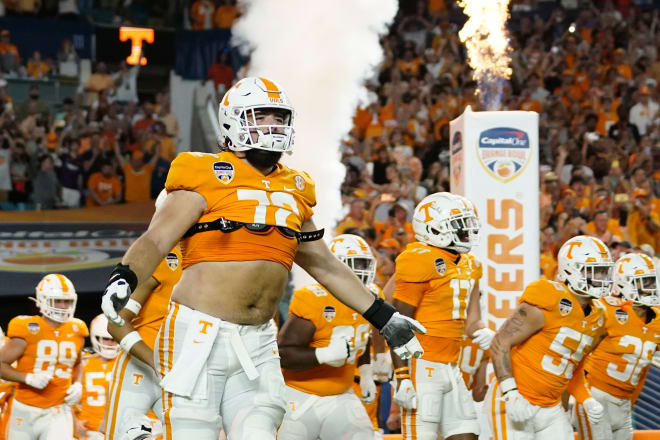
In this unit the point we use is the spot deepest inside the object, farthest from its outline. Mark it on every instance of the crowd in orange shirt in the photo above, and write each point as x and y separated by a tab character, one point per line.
593	77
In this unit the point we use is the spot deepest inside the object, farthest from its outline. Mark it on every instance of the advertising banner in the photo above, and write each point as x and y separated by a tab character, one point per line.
495	163
84	252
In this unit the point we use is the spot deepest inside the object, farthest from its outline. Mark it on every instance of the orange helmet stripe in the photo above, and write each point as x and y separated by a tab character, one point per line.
65	286
271	88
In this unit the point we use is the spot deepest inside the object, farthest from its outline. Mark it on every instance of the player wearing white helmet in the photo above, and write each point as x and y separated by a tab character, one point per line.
242	218
617	368
96	374
435	280
538	348
320	344
47	350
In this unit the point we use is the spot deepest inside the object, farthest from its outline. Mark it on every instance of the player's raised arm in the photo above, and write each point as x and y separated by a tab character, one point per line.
398	330
178	213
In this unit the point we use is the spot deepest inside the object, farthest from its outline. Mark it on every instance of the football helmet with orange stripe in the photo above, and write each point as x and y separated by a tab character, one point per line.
353	251
53	292
102	342
585	266
446	221
238	116
636	279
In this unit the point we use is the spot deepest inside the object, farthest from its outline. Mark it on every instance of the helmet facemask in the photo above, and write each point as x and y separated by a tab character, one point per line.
362	266
594	280
47	307
465	231
269	137
101	347
644	290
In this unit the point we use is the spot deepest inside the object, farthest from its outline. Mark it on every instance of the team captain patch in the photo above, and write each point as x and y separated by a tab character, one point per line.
440	266
329	313
224	171
565	306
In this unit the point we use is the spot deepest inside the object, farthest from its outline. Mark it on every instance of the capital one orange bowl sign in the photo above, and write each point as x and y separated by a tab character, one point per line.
137	36
495	163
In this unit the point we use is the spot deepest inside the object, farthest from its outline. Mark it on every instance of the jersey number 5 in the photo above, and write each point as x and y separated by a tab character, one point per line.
49	354
564	367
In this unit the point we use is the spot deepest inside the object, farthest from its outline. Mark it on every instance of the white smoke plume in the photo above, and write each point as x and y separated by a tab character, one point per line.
321	53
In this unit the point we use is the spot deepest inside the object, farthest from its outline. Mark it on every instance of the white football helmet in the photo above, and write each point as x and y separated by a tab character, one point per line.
585	266
470	205
445	221
55	287
236	115
353	251
98	330
636	279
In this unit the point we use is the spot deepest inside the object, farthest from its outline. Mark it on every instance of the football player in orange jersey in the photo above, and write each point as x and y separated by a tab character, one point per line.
47	348
96	373
320	344
538	348
617	368
6	394
135	388
242	218
434	282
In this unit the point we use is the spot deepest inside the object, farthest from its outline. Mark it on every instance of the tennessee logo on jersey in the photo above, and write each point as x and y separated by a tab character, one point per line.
235	191
147	322
438	283
544	363
621	360
470	359
97	372
313	304
54	350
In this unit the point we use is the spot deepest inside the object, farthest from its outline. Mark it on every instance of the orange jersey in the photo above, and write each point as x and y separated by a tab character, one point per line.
234	190
470	359
54	350
438	283
331	319
6	393
625	355
544	363
97	373
147	322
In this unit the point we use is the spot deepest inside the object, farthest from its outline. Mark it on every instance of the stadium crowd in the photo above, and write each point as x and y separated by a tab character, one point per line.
591	73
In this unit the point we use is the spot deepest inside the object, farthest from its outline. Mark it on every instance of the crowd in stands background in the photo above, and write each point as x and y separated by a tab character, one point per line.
589	68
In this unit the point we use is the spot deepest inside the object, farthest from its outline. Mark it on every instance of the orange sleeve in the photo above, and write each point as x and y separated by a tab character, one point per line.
414	266
542	294
410	293
188	172
577	386
308	196
17	328
302	303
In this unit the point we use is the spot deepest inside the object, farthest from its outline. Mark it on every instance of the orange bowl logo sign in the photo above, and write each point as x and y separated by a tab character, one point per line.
504	152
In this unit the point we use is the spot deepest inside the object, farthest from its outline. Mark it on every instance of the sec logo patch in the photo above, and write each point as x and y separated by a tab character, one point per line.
224	171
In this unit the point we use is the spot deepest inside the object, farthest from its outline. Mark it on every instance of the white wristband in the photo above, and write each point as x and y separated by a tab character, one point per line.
128	341
133	306
508	384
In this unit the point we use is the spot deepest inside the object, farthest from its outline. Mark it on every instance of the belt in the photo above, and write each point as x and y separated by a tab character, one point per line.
227	226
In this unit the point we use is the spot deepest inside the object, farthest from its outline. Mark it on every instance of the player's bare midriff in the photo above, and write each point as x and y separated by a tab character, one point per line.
242	292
